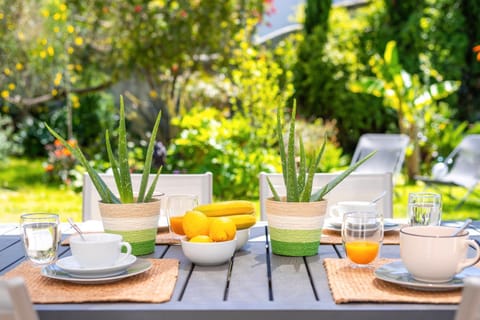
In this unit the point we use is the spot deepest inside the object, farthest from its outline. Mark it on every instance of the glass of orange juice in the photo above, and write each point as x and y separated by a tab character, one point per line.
362	236
177	206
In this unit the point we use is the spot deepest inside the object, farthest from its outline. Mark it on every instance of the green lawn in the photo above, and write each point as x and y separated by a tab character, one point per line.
23	189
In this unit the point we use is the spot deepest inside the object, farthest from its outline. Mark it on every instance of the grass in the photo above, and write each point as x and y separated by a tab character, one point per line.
23	189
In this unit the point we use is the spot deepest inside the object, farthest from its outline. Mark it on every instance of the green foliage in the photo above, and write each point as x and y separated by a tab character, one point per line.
119	165
228	147
7	146
298	183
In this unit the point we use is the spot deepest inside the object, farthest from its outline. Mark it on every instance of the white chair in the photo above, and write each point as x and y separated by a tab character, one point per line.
15	303
197	184
469	308
390	152
355	187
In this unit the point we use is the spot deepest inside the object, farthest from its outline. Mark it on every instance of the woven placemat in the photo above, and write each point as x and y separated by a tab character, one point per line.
153	286
334	237
349	284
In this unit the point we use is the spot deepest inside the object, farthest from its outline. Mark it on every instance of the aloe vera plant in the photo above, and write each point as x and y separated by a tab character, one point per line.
299	183
119	165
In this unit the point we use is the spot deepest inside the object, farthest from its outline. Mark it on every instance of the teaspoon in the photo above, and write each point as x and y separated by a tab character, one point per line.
74	226
462	227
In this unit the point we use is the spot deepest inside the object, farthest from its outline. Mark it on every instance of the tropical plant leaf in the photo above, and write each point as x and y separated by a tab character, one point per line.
305	196
276	197
148	160
281	144
151	190
291	183
332	184
105	193
125	186
302	170
113	162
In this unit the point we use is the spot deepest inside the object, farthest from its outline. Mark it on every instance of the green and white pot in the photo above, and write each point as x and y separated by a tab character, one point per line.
295	228
136	222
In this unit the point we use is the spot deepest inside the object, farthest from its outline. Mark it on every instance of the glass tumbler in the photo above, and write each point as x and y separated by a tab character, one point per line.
362	236
424	208
177	206
41	237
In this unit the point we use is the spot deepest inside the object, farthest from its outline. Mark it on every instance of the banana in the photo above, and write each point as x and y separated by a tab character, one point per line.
226	208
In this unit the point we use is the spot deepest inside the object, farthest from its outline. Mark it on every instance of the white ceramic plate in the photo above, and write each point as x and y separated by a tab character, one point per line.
54	272
70	265
396	273
336	225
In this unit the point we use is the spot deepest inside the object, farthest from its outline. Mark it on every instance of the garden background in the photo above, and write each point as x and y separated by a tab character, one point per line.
410	66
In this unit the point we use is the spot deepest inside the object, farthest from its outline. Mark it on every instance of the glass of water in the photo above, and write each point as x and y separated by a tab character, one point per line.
424	208
41	236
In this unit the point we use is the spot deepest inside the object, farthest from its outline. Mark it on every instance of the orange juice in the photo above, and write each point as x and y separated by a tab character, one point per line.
176	225
362	252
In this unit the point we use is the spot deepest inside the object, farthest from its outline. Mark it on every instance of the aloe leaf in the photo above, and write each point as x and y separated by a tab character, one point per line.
332	184
305	195
302	170
113	163
105	193
281	144
125	186
276	197
291	183
148	161
151	190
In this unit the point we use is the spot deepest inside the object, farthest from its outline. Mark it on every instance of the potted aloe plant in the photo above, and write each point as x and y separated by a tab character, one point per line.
135	217
295	220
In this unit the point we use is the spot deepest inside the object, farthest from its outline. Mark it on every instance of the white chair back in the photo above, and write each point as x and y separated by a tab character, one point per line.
469	308
355	187
168	184
15	303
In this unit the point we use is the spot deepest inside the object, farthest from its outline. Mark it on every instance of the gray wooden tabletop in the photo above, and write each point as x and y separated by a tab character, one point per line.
255	285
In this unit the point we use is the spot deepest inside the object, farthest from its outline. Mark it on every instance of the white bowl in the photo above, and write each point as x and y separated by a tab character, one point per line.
242	237
209	253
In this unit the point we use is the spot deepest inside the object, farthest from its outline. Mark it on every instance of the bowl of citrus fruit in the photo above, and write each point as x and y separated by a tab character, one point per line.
214	231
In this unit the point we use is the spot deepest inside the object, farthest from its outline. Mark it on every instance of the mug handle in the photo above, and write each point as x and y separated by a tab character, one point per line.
129	251
472	261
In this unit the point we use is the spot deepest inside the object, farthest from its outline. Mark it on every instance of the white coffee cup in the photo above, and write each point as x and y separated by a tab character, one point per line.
99	250
432	254
340	208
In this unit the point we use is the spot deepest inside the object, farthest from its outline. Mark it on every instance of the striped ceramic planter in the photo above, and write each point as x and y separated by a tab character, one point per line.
295	228
136	222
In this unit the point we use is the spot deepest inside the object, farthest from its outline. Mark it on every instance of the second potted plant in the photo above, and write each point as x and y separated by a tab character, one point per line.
295	220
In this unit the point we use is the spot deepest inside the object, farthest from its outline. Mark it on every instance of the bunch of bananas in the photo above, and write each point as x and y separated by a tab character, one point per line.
241	212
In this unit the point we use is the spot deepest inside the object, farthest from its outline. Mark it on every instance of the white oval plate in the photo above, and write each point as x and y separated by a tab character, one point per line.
396	273
71	265
54	272
335	225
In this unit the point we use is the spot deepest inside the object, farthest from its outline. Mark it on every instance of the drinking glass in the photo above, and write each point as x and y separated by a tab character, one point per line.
177	206
424	208
362	236
41	236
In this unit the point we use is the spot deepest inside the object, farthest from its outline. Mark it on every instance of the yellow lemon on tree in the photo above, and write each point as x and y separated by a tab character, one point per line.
201	238
195	223
222	229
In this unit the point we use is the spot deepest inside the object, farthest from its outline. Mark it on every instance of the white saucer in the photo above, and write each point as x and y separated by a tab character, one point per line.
396	272
54	272
336	225
70	265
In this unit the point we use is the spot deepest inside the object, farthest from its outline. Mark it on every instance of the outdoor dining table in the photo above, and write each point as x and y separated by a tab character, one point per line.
255	284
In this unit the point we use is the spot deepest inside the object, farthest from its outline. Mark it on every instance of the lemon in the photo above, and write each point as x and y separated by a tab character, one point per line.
195	223
201	238
222	229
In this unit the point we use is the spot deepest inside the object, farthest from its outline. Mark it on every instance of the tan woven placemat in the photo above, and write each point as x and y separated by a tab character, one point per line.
153	286
334	237
360	285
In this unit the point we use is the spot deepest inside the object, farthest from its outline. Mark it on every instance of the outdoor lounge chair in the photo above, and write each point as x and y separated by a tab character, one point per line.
461	168
198	184
15	303
390	152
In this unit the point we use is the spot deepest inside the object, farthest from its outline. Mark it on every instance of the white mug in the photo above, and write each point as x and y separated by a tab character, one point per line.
99	250
432	254
340	208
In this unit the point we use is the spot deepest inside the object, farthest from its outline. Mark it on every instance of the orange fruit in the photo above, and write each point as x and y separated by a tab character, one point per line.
195	223
222	229
201	238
